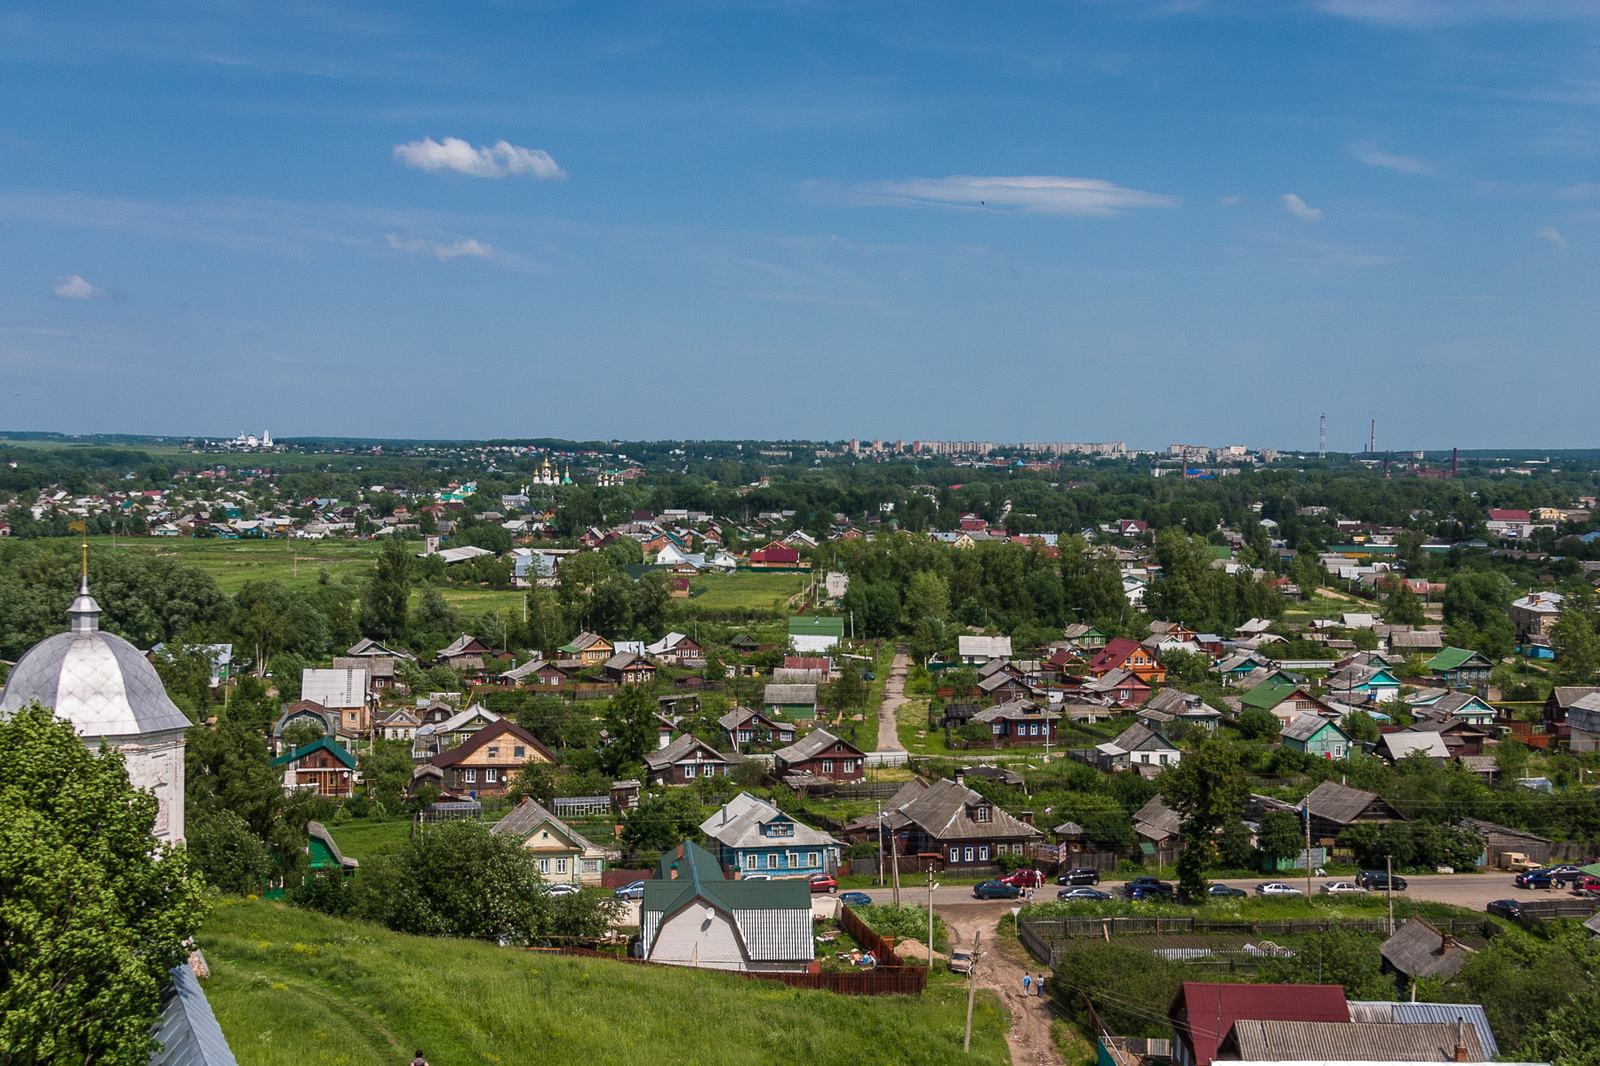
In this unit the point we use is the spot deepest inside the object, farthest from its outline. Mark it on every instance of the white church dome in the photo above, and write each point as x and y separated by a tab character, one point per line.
96	680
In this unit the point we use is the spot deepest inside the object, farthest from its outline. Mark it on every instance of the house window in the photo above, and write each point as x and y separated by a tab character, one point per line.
488	777
591	866
983	854
955	854
980	814
813	859
969	854
494	753
519	752
470	776
794	860
997	729
749	862
688	769
827	766
744	736
780	829
561	866
849	766
544	866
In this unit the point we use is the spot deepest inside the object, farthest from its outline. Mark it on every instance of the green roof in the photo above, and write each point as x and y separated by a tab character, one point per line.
1267	695
812	626
326	743
689	870
1450	659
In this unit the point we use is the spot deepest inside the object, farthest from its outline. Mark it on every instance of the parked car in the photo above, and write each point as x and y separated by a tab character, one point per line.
564	888
1225	892
855	899
1080	875
755	877
1143	892
1024	878
1342	888
1146	884
1586	884
1277	888
995	890
1505	908
824	883
1564	872
1379	880
1534	879
1082	892
960	962
633	891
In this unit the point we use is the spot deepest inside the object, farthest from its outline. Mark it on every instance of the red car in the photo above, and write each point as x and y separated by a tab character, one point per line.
824	883
1024	879
1586	884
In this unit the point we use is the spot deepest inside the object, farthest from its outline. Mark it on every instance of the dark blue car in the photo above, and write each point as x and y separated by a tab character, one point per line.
1534	879
995	890
855	899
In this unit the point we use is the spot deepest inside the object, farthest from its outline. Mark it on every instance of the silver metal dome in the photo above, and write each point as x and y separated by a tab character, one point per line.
99	682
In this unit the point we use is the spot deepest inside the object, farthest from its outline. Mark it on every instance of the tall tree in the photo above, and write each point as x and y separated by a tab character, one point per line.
1207	789
630	723
1577	647
384	596
95	911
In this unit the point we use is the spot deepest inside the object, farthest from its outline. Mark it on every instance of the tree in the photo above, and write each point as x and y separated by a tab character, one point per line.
875	607
95	910
1207	789
1405	606
927	596
302	731
387	770
1577	647
1359	725
1258	723
384	596
630	723
1279	836
435	614
848	691
1233	846
537	779
662	821
228	854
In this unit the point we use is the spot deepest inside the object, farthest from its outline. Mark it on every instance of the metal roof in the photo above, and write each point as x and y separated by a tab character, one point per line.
790	694
188	1031
1426	1013
810	745
739	823
96	680
1210	1010
773	917
334	689
1299	1041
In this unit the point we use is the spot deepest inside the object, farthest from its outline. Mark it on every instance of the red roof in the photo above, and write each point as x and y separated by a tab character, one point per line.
1508	516
807	662
1113	655
775	553
1203	1013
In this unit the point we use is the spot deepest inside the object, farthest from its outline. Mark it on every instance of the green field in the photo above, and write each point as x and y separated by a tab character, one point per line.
234	562
357	838
744	588
293	987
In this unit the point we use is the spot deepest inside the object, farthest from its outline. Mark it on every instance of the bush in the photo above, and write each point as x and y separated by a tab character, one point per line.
903	922
228	855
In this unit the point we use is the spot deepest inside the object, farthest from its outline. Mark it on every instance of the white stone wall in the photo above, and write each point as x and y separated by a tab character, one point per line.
155	765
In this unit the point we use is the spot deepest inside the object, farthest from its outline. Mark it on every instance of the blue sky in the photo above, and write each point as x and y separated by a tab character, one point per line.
1144	221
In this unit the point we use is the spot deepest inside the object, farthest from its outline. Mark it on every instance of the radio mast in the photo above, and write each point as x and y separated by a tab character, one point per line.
1322	438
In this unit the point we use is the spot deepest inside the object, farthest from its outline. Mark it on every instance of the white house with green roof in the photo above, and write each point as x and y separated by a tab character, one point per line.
691	915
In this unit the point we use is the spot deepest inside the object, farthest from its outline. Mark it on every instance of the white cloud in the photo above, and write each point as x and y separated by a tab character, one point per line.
1553	235
1297	207
502	160
1230	201
72	287
1368	153
444	252
1042	194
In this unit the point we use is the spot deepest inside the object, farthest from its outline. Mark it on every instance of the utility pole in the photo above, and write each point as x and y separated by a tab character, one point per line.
931	887
1322	438
972	989
1388	869
1308	852
881	858
894	847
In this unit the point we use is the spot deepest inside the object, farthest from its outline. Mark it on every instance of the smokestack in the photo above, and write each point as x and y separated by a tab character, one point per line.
1454	452
1461	1039
1372	445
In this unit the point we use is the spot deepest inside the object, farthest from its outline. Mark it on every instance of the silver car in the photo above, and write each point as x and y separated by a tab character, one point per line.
633	891
1342	888
960	961
1277	888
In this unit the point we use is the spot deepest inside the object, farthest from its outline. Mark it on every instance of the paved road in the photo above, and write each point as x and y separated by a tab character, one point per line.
894	694
1471	891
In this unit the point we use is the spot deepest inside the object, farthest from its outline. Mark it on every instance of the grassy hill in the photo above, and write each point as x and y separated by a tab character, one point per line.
293	987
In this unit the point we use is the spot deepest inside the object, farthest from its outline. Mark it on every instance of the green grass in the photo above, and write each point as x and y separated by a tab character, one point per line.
358	838
1257	908
744	588
292	987
234	562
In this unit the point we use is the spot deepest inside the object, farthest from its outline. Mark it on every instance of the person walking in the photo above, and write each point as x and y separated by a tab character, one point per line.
1039	986
419	1060
1027	983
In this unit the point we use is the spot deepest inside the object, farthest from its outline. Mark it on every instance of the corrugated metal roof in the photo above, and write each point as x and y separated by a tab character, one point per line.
1212	1008
790	694
188	1031
1294	1041
776	936
1425	1013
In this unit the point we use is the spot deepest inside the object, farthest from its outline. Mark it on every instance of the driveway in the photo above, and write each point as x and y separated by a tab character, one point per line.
894	694
1002	970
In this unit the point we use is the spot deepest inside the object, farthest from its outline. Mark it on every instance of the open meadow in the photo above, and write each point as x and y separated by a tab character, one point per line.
293	987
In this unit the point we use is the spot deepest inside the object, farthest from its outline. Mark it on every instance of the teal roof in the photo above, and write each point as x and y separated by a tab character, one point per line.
325	743
697	873
811	626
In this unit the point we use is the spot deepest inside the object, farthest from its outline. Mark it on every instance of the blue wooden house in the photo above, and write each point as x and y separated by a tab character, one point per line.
1316	736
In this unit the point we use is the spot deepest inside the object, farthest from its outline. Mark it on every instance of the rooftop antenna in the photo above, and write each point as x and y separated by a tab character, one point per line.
1322	438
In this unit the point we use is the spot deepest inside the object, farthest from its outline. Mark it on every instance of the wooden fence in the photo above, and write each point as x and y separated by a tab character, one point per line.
1545	909
881	946
903	981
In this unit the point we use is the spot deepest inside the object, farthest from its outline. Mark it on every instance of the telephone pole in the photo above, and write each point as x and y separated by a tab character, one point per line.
972	988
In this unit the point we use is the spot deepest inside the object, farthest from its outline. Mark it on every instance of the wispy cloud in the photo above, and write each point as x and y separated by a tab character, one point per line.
1553	235
1425	14
444	252
502	160
1368	153
72	287
1298	207
1041	194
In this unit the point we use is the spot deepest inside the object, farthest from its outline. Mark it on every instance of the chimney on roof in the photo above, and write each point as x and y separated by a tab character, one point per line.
1446	942
1461	1039
961	777
1027	817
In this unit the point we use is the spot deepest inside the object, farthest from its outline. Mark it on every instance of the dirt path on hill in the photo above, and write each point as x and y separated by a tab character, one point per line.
894	694
1001	970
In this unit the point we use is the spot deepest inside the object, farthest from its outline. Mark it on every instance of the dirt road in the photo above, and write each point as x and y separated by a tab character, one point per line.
1001	969
894	694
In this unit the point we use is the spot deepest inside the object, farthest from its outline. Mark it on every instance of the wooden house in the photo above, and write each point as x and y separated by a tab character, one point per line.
948	819
590	649
747	727
323	765
1124	654
686	760
822	756
465	654
564	855
1020	723
487	760
1316	736
630	668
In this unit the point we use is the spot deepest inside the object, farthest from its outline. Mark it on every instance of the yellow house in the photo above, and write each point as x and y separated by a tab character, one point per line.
563	854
